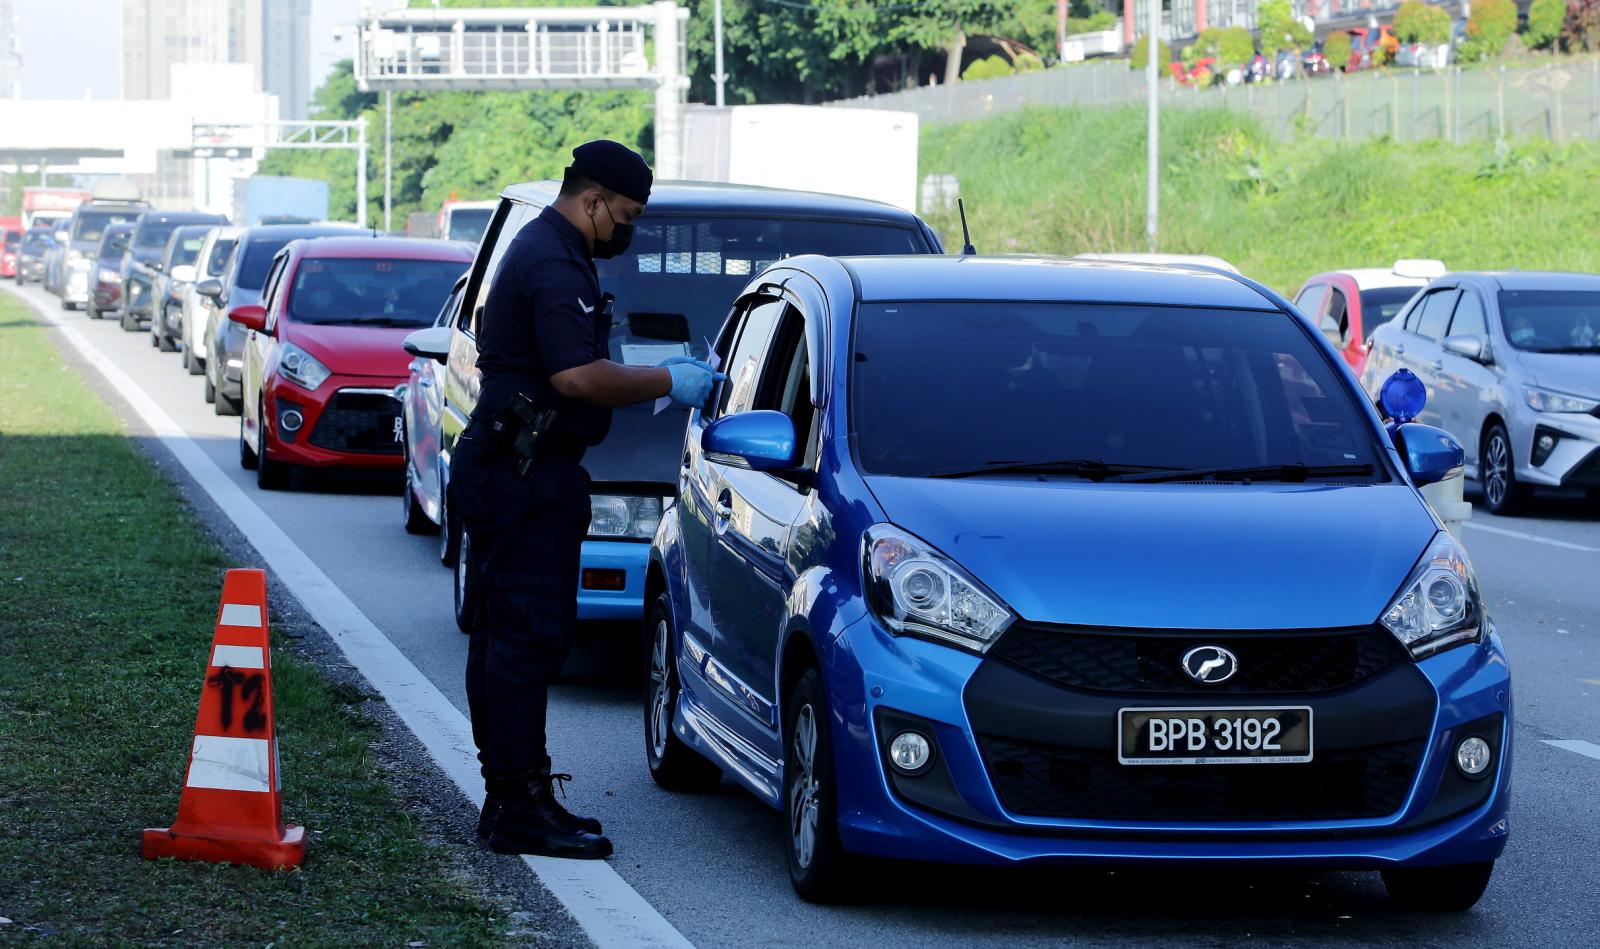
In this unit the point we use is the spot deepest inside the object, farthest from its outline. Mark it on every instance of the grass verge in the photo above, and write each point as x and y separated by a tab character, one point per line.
1065	181
107	591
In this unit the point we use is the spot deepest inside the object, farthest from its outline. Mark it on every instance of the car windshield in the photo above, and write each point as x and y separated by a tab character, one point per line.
680	275
217	262
1551	321
13	239
381	292
187	250
155	233
257	261
947	386
467	224
1379	306
114	243
91	224
36	241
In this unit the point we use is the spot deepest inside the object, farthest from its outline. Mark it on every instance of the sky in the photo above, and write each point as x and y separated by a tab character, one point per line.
73	48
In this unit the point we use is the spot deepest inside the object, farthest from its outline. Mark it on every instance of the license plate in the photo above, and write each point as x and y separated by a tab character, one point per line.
1214	735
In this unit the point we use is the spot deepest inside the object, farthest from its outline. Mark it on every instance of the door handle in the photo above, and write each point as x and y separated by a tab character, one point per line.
684	470
724	506
1400	349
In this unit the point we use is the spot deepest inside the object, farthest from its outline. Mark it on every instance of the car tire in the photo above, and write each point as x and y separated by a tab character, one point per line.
92	313
270	475
820	869
186	361
130	323
1450	889
1497	470
248	459
155	341
416	519
222	405
468	599
449	537
64	304
210	390
163	341
193	363
673	765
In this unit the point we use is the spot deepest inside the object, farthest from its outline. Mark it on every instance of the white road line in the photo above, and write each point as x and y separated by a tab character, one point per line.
1586	748
610	911
1534	538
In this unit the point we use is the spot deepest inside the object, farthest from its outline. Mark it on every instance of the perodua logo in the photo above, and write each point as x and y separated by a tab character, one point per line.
1210	664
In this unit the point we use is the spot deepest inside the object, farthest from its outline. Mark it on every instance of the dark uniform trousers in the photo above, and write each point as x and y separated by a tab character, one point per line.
525	540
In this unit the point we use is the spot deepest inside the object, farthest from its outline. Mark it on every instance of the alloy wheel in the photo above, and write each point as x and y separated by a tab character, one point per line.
803	788
1497	469
659	692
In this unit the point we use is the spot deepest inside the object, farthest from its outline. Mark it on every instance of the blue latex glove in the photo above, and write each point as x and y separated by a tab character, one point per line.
691	382
681	360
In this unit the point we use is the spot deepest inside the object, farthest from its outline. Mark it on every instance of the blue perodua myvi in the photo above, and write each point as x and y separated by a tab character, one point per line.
990	560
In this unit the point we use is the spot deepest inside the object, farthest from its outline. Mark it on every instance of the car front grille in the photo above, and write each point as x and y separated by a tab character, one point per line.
1134	661
359	420
1038	780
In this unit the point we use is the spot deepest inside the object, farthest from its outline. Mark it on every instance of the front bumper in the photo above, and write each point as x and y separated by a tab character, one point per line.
138	294
1575	460
347	422
107	296
76	288
874	676
629	558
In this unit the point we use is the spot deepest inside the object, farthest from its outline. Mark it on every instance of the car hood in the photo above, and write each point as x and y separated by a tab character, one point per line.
1215	557
1577	373
355	350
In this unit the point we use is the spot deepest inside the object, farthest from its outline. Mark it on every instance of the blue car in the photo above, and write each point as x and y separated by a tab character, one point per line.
1012	561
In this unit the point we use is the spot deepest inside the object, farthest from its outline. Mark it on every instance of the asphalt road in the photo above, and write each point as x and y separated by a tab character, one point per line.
713	864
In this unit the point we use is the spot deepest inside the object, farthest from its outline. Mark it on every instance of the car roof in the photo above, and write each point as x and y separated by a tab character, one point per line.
700	197
1020	278
402	248
227	232
1143	258
1378	278
290	232
181	217
1534	279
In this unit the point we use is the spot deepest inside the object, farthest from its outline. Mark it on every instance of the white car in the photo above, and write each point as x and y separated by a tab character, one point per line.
1204	260
211	263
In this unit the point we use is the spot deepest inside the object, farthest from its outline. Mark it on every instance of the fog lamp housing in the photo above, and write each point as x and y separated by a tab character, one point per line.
1545	440
1473	756
910	752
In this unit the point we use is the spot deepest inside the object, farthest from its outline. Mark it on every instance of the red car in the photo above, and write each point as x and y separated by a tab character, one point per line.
10	247
1347	305
323	354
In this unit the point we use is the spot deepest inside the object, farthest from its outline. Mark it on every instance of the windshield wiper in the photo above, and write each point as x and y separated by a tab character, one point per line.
1092	468
1291	472
1570	349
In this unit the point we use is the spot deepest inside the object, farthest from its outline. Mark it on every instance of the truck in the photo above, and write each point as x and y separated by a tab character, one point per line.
41	204
270	199
805	148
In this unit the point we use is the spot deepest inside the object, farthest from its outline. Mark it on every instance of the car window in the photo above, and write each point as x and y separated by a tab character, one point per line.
1469	319
512	219
217	259
1309	301
959	385
786	378
743	369
1337	316
269	292
1436	313
89	225
372	291
1551	320
467	224
1379	305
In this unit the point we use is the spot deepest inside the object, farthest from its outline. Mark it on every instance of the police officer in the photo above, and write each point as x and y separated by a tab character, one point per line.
543	345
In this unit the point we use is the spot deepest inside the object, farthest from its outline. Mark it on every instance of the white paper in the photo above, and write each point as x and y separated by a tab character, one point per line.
711	357
649	354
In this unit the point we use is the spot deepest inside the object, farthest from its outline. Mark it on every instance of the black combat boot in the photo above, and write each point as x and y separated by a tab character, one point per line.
491	805
530	822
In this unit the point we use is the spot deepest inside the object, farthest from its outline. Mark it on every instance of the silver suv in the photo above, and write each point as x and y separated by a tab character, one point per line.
1512	365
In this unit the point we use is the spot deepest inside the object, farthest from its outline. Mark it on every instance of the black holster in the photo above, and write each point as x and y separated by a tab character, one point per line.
518	430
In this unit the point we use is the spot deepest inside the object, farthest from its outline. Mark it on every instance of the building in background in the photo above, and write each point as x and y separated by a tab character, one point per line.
10	53
286	54
160	34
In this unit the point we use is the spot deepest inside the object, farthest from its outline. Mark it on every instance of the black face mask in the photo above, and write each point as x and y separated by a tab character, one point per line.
617	243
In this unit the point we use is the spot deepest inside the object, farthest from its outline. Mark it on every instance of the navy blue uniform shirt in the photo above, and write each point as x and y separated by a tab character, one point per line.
544	315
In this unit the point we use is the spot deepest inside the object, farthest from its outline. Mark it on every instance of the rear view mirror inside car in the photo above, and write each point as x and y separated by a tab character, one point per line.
672	327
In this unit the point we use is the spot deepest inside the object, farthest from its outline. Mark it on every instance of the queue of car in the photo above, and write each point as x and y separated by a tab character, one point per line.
935	573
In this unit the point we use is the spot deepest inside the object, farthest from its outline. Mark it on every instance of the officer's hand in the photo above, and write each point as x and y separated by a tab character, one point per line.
691	382
680	360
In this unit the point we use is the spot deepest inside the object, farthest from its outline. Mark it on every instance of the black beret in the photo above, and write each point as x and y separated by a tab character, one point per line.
616	166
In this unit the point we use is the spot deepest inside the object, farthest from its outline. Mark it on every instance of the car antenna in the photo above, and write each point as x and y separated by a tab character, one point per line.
967	250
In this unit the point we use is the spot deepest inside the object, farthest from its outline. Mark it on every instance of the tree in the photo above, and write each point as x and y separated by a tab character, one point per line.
1236	47
1279	28
1582	29
1545	18
1419	22
1139	56
1336	49
1490	26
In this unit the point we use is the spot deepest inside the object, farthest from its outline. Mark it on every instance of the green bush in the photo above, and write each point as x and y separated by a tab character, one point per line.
1337	48
1582	29
1545	18
1103	20
1027	62
1491	24
1208	43
1279	29
1139	56
990	67
1236	47
1419	22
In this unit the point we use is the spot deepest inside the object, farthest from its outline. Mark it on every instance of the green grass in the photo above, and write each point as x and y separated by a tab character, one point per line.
1065	181
108	589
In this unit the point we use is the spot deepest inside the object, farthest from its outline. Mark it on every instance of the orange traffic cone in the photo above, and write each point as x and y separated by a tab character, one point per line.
231	808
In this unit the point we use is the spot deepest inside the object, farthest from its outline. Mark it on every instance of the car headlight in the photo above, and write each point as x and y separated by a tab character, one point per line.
1547	400
917	591
300	367
613	515
109	276
1438	606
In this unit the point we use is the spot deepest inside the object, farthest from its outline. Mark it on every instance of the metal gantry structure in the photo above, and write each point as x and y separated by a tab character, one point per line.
506	48
230	139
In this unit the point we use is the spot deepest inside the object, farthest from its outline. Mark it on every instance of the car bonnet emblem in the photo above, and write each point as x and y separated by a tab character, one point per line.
1210	664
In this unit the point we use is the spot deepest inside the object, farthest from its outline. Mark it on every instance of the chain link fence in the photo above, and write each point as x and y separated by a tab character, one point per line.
1558	101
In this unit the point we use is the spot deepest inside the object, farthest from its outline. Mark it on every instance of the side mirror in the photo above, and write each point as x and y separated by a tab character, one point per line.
63	236
251	316
1469	346
431	343
761	441
157	266
1403	395
183	273
209	288
1431	454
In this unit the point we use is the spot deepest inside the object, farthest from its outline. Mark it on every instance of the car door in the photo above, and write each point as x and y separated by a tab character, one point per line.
1461	384
1423	354
724	532
424	408
258	349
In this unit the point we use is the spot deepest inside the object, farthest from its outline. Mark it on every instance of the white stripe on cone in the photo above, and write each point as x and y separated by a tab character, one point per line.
239	657
230	764
241	614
